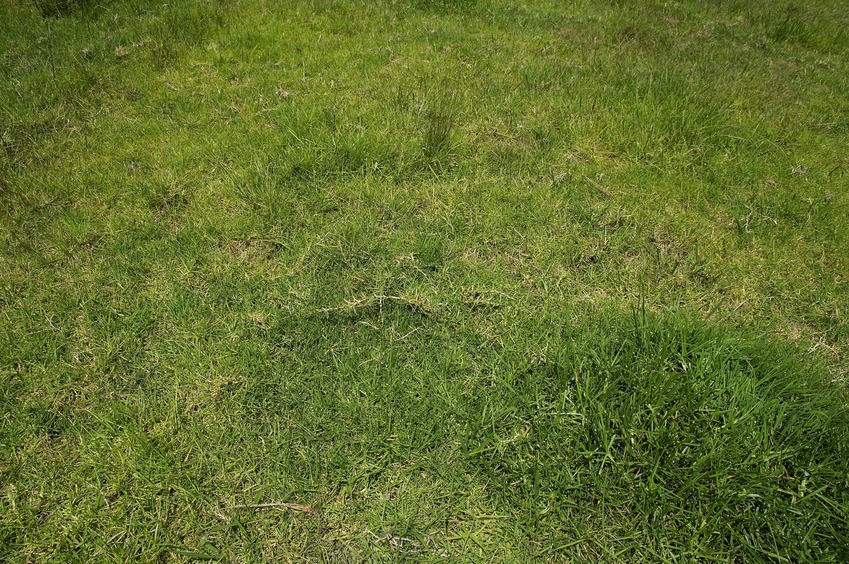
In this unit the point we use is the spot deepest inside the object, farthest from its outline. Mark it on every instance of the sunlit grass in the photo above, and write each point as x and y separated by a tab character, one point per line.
468	278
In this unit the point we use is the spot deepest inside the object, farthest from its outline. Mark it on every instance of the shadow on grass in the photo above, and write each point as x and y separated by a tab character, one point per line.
692	438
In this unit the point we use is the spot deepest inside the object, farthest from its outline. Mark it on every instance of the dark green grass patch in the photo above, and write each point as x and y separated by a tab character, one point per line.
667	426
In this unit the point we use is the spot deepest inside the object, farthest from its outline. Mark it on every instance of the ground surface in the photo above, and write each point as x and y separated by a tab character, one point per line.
480	279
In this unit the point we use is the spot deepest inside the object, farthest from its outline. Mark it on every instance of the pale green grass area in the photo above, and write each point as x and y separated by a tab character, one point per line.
472	279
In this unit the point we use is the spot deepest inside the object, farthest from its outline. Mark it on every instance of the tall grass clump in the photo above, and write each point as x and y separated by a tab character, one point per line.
438	130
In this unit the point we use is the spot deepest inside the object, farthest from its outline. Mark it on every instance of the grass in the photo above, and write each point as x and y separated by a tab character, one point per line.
469	279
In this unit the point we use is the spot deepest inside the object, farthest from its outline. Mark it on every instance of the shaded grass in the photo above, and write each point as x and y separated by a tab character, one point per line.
628	435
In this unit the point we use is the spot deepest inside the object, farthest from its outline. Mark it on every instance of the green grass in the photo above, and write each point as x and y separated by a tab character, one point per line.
473	279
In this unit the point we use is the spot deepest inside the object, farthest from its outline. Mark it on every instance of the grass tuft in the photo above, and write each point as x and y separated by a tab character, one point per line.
439	123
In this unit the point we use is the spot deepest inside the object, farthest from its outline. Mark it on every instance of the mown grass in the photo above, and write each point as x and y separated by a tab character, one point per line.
471	279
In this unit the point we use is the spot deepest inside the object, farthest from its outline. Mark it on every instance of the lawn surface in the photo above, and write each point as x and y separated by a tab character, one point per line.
478	279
